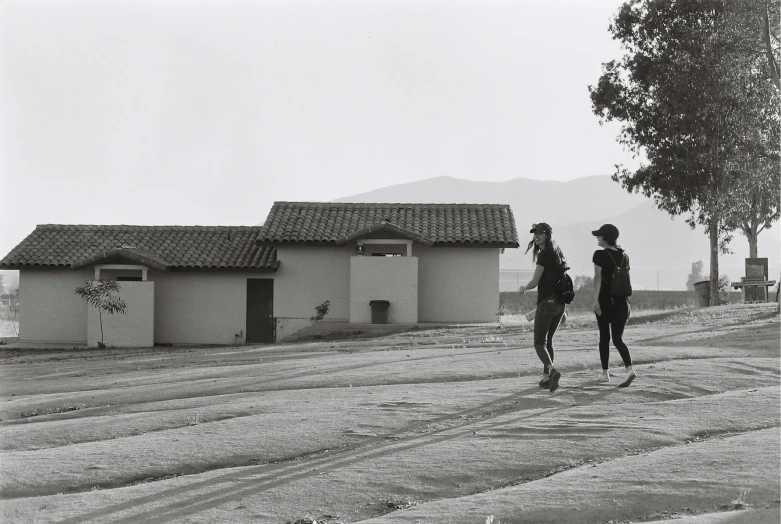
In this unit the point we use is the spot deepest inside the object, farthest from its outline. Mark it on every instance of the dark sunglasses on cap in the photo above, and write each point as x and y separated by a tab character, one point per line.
542	227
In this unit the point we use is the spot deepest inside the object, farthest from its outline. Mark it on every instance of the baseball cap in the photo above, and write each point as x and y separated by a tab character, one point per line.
607	231
542	227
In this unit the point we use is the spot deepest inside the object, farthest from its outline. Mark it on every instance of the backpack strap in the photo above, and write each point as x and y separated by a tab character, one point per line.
623	258
603	273
614	262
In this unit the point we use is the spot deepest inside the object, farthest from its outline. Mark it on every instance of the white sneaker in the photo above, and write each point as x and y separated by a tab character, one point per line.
630	376
604	377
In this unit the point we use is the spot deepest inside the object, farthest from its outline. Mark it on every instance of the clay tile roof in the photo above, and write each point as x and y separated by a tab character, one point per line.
440	224
159	247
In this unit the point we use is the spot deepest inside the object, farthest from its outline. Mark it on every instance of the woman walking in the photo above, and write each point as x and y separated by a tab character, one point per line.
612	311
550	262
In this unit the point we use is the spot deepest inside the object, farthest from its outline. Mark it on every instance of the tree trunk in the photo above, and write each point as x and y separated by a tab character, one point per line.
751	234
100	317
713	233
752	246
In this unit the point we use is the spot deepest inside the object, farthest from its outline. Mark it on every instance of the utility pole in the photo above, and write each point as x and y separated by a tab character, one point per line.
657	279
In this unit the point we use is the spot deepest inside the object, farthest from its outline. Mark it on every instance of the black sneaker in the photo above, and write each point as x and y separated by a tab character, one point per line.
554	380
545	382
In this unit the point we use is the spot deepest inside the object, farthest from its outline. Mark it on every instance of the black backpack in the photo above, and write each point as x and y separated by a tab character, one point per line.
565	290
621	284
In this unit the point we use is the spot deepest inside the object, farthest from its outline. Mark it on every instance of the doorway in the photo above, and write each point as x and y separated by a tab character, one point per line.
260	310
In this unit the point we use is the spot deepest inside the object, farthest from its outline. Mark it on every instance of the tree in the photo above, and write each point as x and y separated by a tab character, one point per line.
690	104
320	312
755	165
695	276
583	281
103	295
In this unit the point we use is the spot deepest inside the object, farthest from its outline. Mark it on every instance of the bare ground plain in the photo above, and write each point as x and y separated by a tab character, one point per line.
445	425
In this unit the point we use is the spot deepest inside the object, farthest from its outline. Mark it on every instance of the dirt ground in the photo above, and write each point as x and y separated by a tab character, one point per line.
445	425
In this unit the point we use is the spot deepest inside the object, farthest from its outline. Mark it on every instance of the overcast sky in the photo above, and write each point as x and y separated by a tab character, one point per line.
205	112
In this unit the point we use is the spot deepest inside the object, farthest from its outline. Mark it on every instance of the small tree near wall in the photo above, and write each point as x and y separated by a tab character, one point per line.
103	295
322	311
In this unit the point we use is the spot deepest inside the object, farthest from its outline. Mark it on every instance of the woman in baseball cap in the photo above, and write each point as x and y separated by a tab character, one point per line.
612	310
550	261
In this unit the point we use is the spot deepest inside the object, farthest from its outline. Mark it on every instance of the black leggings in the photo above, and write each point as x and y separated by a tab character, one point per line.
604	341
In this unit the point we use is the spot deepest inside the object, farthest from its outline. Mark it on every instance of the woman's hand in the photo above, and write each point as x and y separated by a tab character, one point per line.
521	290
597	309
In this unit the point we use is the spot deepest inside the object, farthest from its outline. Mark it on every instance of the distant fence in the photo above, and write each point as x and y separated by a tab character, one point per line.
514	302
643	278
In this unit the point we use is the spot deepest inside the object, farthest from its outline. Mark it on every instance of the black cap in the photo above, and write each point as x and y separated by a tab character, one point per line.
607	231
542	227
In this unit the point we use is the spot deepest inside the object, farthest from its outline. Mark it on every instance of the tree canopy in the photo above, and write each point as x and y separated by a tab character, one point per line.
695	92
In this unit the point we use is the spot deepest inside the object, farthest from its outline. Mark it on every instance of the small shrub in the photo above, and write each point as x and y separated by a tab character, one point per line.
724	290
321	311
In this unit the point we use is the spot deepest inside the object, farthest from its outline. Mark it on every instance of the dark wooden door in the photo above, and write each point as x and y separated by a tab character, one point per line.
260	310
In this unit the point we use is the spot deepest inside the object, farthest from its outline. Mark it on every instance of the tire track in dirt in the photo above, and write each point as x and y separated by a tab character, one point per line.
638	460
245	385
496	405
288	471
250	384
257	479
91	413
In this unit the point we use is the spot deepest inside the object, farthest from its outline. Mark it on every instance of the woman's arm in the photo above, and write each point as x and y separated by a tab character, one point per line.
534	281
597	287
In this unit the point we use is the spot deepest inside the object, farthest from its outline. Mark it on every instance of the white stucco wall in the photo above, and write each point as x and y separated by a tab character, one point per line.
453	285
189	308
208	307
49	310
394	279
457	284
308	276
134	328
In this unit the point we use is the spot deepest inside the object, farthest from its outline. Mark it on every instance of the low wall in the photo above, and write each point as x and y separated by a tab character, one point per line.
394	279
514	302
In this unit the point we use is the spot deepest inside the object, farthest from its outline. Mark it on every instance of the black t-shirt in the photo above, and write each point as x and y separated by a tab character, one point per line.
607	259
550	275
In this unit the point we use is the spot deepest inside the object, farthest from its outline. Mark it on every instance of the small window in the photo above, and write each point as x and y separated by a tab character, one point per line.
386	254
128	279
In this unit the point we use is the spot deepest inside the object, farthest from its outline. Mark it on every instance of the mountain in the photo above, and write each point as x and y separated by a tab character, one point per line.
661	248
531	200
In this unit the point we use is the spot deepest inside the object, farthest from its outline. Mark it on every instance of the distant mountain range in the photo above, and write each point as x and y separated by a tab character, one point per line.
661	248
531	200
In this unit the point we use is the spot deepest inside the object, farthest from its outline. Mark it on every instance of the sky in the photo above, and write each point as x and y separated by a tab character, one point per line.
205	112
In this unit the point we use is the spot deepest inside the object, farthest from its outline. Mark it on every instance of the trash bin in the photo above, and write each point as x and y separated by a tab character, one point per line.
702	292
379	311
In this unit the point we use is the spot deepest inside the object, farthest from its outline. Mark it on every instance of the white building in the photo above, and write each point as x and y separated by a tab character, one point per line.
234	285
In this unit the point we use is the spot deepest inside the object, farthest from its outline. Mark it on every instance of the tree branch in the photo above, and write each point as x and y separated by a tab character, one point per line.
769	48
